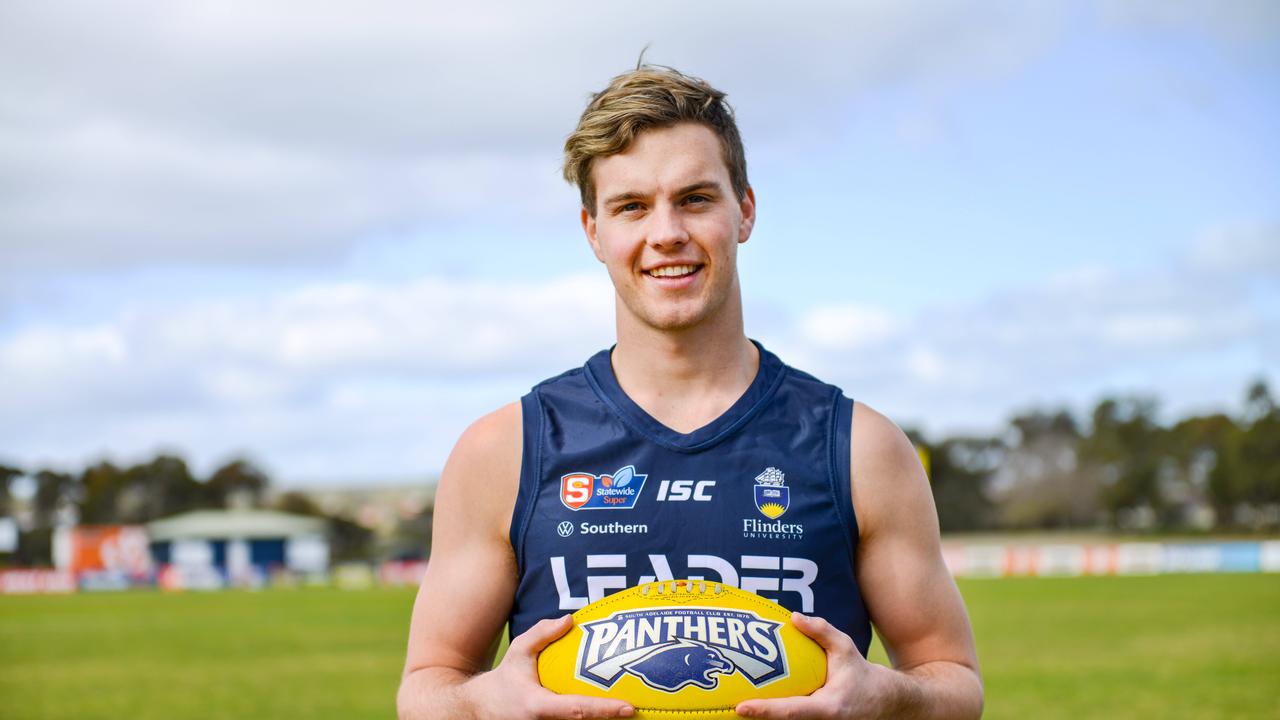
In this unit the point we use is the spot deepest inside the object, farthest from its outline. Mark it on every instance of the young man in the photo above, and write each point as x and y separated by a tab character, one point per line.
686	451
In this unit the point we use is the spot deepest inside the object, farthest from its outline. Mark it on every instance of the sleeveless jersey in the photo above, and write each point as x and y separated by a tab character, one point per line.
759	498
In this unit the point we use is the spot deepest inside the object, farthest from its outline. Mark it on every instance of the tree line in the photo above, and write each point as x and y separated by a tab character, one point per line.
1119	469
108	494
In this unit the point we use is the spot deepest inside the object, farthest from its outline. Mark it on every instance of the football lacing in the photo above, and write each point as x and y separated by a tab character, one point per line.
677	585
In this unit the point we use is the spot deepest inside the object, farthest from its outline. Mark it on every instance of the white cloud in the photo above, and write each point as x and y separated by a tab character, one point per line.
241	132
1239	21
846	327
1247	249
1184	332
316	380
76	347
148	133
353	379
433	327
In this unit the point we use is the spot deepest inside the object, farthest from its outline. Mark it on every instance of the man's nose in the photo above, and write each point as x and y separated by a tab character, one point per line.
666	228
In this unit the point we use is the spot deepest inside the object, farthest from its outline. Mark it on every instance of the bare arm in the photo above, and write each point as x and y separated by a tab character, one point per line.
452	643
913	601
914	604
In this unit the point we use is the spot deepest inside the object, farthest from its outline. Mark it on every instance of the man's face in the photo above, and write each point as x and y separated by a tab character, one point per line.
668	226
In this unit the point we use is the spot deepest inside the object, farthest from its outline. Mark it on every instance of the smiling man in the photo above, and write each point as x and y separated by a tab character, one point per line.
687	450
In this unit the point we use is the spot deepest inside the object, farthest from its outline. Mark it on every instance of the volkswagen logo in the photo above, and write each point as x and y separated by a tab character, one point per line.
565	528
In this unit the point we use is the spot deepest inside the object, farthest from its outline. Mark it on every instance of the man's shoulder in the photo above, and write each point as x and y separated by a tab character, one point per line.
489	448
885	469
503	428
879	438
492	432
480	479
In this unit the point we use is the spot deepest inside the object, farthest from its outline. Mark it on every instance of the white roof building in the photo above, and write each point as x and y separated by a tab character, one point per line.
240	524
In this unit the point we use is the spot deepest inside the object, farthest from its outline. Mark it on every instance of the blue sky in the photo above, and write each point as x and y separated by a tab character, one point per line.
328	237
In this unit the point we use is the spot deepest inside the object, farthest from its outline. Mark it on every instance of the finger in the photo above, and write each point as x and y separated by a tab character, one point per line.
551	705
543	633
831	638
789	708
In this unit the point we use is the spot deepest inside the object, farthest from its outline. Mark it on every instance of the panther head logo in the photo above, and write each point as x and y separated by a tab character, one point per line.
686	662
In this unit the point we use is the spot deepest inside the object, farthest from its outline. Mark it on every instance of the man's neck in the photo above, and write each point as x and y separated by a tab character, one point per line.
685	379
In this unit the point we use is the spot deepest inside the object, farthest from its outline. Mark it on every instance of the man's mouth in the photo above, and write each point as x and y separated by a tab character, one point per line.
673	271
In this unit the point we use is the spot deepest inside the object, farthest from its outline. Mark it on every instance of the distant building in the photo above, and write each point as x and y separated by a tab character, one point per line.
212	548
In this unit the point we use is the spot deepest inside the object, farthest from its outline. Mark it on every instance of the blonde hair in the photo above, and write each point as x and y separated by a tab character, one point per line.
645	98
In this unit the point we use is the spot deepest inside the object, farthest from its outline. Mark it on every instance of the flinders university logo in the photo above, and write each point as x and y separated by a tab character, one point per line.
619	491
672	648
772	497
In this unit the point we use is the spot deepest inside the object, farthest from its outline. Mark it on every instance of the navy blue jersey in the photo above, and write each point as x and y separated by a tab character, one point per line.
759	498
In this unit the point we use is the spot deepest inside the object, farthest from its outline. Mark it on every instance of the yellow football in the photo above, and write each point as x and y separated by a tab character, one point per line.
683	648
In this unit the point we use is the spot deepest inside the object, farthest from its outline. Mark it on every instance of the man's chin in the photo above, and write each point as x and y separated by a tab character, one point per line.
671	320
682	321
672	315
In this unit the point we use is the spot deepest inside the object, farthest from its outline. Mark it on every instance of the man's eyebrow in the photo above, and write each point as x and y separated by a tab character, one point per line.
626	196
701	185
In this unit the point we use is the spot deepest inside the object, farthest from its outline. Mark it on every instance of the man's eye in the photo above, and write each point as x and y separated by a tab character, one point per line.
629	207
697	199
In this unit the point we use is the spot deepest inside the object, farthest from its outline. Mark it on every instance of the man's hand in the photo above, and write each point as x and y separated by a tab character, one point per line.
854	688
512	690
447	675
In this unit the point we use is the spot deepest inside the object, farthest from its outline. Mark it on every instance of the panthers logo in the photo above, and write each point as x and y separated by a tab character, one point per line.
673	648
684	663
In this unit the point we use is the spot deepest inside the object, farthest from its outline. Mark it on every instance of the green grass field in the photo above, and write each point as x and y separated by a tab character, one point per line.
1170	647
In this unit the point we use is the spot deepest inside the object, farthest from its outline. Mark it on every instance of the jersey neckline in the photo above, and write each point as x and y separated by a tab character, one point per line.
769	375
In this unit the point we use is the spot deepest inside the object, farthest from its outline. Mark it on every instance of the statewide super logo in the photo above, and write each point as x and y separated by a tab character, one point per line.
772	497
619	491
673	648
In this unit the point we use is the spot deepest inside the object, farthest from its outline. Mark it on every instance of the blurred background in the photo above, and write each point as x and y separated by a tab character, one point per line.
262	263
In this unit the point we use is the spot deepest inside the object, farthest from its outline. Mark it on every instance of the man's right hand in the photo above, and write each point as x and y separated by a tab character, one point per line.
450	651
512	690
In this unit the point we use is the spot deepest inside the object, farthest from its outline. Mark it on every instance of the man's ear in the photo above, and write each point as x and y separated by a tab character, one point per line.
748	208
589	227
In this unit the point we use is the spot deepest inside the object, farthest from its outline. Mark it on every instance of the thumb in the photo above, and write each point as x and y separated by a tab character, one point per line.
535	639
824	633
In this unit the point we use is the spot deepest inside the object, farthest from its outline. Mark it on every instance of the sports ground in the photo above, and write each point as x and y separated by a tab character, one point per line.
1173	646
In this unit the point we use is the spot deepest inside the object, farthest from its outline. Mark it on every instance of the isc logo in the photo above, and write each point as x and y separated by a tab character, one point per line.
677	490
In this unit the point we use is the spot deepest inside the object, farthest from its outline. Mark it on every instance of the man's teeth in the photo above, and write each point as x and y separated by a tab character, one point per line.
673	270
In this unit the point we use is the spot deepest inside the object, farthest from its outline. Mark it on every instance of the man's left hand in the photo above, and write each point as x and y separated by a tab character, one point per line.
854	688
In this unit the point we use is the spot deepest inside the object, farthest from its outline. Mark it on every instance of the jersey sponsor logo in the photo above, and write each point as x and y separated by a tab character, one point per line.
619	491
681	490
772	496
671	648
564	529
784	579
776	530
613	528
